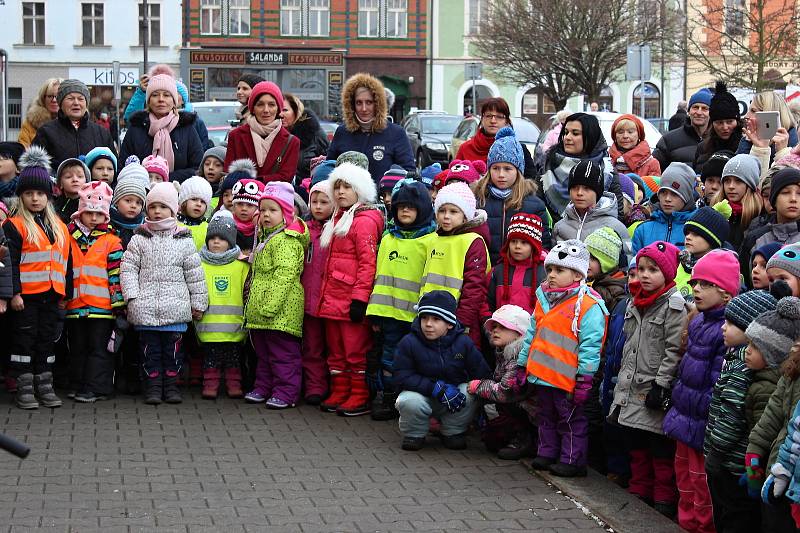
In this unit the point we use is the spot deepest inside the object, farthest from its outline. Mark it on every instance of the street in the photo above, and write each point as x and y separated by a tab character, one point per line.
229	466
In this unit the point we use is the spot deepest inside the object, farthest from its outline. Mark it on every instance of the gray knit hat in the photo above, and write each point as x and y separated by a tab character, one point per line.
356	158
742	310
222	225
129	186
680	178
72	86
217	152
787	258
70	162
744	167
774	332
570	254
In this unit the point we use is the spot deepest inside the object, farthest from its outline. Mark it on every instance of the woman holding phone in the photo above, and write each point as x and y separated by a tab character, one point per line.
768	150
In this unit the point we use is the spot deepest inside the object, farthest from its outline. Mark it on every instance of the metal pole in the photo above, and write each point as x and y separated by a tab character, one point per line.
641	78
146	25
663	22
4	67
474	111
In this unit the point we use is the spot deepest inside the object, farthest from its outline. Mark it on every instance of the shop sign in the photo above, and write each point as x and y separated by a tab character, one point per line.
197	85
315	59
93	76
267	58
335	82
199	57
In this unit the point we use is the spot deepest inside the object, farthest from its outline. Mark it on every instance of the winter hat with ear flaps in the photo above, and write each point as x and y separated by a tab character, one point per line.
94	197
774	332
571	254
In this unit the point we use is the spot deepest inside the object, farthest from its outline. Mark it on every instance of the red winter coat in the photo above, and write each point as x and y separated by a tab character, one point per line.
240	146
311	278
524	277
639	159
350	266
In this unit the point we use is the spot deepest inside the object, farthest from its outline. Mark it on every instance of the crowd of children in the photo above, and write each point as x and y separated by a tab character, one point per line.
653	335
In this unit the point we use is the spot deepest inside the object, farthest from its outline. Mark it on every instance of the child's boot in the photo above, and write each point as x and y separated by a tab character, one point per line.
358	402
25	398
153	389
196	371
210	383
44	390
233	382
383	406
340	390
172	393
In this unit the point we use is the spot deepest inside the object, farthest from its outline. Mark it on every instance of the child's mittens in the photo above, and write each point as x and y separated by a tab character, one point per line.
583	386
776	484
357	310
472	386
657	398
753	476
449	396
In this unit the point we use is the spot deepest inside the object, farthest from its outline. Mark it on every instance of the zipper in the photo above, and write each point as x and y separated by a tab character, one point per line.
669	229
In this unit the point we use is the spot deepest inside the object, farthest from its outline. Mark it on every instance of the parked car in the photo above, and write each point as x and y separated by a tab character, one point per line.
220	118
527	133
329	127
430	134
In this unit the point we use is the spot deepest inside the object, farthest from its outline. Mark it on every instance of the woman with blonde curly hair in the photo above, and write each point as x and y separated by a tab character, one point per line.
41	110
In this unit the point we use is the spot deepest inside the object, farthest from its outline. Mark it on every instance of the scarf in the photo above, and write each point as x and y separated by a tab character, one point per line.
189	221
736	207
688	260
366	127
265	235
340	227
500	194
262	137
120	221
637	214
641	299
168	224
160	128
248	229
394	229
481	144
222	258
8	188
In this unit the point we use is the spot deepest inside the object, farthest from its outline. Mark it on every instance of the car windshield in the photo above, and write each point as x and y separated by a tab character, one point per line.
217	115
525	131
445	125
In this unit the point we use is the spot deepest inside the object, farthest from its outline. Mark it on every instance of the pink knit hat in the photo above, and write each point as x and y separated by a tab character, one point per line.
458	194
465	170
158	165
162	82
720	267
283	194
94	197
247	191
164	193
663	254
265	87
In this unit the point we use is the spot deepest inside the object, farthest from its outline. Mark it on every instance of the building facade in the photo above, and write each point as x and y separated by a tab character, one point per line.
80	39
308	47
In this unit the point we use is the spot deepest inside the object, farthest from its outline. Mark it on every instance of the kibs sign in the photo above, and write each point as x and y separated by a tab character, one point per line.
104	76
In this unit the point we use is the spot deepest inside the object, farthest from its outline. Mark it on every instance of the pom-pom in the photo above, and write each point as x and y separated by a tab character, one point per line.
780	289
789	307
35	156
505	131
480	166
132	159
724	208
243	165
720	87
161	68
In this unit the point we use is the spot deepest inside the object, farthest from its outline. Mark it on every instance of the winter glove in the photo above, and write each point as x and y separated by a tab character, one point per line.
583	386
657	398
522	376
122	323
472	386
753	477
776	484
449	396
357	310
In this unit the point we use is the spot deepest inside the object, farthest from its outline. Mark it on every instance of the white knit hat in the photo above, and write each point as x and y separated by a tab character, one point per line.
358	178
570	254
511	317
458	194
195	188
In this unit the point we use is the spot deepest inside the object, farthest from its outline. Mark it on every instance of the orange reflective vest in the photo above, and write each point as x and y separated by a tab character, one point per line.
42	266
553	355
90	273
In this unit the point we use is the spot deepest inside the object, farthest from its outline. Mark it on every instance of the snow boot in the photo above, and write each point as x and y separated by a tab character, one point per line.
340	390
25	398
153	389
233	382
172	393
44	390
210	383
357	403
383	406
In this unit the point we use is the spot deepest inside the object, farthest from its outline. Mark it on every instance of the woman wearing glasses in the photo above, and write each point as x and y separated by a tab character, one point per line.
41	110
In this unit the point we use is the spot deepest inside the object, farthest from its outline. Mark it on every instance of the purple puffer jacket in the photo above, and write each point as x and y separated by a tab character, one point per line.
311	278
697	374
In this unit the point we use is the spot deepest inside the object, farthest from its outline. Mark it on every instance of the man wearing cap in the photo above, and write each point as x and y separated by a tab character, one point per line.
71	133
680	145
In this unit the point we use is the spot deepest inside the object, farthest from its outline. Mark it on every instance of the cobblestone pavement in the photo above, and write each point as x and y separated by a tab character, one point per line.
228	466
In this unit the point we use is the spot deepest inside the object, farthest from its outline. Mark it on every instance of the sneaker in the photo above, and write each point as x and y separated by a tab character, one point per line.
89	397
567	470
413	444
542	463
277	403
454	442
313	399
255	396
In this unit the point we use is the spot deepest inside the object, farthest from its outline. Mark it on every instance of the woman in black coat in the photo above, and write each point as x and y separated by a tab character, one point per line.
147	131
303	124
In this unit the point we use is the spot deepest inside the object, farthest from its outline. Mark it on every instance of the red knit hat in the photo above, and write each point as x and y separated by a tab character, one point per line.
720	267
440	179
527	228
465	170
632	118
663	254
265	87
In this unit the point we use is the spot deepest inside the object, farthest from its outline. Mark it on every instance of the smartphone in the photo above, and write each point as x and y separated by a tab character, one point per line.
768	124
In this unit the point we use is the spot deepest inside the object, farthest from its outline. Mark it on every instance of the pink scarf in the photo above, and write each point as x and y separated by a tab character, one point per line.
263	137
160	129
247	229
168	224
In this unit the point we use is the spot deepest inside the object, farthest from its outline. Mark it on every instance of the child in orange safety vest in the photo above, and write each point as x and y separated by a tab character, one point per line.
96	294
38	244
559	356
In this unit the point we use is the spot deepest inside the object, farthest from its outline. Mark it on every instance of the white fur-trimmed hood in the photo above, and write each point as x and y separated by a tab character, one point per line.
358	178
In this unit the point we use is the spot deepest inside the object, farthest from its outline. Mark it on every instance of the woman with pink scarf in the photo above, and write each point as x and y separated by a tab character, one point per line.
263	139
164	131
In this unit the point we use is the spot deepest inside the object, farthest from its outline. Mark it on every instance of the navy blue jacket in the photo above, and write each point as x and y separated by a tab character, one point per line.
453	358
185	144
499	218
383	149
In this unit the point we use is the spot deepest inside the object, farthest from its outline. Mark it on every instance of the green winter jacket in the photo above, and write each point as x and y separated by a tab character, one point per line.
276	297
770	430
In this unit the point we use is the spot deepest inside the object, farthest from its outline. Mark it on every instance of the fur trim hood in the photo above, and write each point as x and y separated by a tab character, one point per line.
358	178
348	97
37	115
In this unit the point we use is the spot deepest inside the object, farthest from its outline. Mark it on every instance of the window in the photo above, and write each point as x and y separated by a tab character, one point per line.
239	17
476	14
652	101
735	11
92	24
14	108
150	33
211	17
383	18
291	17
33	22
319	18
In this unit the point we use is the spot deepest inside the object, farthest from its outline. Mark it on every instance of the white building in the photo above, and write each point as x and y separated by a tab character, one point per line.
80	39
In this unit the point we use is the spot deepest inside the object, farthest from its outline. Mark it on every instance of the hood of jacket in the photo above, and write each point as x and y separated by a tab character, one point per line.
348	102
37	115
305	128
471	225
142	118
676	216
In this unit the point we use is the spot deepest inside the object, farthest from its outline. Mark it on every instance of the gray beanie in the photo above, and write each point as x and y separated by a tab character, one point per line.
787	258
680	178
72	86
223	226
72	161
217	152
745	167
774	332
129	186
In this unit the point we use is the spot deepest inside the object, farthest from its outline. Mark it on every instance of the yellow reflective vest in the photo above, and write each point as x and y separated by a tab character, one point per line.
397	276
223	320
444	269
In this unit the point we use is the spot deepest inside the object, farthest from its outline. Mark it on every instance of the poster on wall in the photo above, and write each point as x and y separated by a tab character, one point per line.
335	81
197	85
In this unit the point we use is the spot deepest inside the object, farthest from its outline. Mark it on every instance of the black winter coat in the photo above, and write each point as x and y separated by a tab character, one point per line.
62	140
6	285
678	145
313	142
185	143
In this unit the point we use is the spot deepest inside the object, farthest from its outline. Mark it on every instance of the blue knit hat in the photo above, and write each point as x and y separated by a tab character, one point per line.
710	225
743	309
703	96
767	251
322	171
506	149
100	152
429	173
187	105
439	303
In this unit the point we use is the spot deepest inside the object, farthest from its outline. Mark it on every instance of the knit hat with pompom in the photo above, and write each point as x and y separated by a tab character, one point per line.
774	332
506	149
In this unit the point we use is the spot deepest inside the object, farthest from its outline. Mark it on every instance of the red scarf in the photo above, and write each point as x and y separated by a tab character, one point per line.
736	207
477	147
643	300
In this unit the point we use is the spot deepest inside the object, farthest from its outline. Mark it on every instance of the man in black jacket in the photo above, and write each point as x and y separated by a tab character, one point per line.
680	145
679	118
72	134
